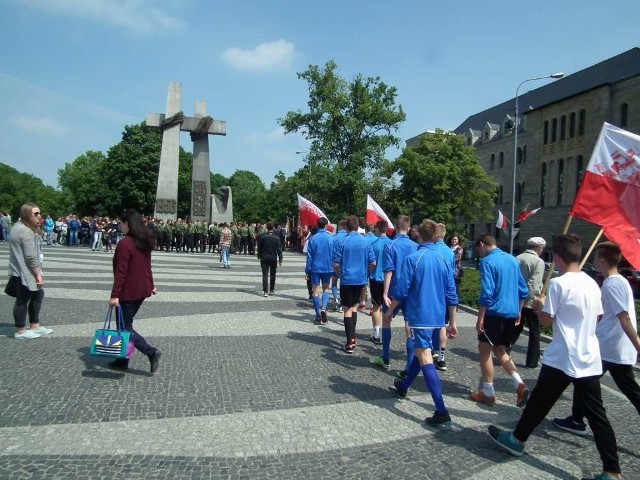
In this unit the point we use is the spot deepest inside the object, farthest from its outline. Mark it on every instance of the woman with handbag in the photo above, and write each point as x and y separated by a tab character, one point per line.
25	268
133	281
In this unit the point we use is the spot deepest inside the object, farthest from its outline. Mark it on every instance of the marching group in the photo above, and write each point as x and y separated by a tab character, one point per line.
594	330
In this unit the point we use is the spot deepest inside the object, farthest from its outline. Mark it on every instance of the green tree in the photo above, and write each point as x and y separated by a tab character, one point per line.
350	126
442	179
249	196
17	188
83	181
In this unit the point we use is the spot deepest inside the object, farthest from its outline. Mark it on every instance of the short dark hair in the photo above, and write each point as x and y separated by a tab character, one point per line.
342	224
609	252
269	226
568	247
487	239
352	223
322	222
382	225
427	230
403	222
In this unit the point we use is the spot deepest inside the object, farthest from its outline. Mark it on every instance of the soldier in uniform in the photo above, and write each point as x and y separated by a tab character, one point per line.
178	231
190	232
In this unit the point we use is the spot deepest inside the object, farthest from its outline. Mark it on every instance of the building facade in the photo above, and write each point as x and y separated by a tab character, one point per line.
557	130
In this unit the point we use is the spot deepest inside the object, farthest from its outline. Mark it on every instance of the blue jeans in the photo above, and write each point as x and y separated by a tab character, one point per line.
49	238
97	241
226	261
73	238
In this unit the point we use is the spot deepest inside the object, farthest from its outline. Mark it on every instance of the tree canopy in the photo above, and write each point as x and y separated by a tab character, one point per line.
17	188
350	125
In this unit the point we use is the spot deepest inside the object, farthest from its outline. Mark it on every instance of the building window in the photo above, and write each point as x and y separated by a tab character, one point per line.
579	171
560	182
524	154
500	194
554	130
572	125
501	160
486	135
563	127
518	155
471	232
518	192
487	227
545	135
582	121
492	162
469	141
543	184
624	114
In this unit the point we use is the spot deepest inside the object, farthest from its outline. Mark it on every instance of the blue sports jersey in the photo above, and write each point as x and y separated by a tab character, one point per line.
447	253
502	285
319	252
337	240
354	255
395	254
427	287
379	245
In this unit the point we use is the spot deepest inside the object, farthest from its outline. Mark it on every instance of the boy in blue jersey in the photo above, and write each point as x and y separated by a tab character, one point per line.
339	236
503	291
319	268
428	289
440	337
376	278
395	254
353	259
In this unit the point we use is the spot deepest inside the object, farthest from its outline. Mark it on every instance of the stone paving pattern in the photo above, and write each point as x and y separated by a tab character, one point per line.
250	388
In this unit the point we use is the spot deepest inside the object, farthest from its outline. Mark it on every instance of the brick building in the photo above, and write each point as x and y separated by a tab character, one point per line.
557	130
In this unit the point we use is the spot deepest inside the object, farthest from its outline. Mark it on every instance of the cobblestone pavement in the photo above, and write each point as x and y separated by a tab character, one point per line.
250	388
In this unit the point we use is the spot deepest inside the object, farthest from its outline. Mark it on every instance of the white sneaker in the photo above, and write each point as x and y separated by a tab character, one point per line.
26	335
42	330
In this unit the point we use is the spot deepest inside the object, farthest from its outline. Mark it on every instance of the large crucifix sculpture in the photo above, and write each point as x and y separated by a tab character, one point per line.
200	127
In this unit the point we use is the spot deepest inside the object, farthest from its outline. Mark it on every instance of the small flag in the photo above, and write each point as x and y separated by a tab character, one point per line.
524	214
502	222
309	213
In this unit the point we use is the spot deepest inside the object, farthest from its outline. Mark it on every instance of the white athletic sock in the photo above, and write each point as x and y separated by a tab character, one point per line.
376	332
487	389
516	380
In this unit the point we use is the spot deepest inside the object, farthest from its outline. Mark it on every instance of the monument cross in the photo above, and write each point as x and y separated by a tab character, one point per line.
200	127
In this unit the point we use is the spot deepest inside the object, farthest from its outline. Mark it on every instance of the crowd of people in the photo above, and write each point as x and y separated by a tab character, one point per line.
411	270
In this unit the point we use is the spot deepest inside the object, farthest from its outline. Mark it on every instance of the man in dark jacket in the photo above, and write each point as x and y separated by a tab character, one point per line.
269	252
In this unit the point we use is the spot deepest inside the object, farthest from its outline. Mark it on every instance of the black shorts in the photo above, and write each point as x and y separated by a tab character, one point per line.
376	289
497	331
350	295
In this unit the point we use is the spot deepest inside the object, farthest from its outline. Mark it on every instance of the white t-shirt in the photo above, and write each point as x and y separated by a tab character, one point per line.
617	297
573	300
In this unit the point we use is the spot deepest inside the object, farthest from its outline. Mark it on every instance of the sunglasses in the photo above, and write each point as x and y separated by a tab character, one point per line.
36	214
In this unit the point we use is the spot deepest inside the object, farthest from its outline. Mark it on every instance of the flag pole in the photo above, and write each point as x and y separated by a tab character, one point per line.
548	279
595	240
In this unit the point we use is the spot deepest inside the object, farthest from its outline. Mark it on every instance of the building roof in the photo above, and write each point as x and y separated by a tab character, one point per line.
623	66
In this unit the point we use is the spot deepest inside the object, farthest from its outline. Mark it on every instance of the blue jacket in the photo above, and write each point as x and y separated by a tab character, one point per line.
337	239
48	224
354	255
371	237
319	252
501	284
427	287
394	256
447	253
379	246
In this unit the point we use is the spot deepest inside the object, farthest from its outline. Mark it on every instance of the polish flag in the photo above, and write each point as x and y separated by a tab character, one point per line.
309	213
524	214
609	194
502	222
374	213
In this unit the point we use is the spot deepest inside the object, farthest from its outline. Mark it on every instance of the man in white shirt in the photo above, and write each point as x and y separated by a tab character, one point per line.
616	332
572	305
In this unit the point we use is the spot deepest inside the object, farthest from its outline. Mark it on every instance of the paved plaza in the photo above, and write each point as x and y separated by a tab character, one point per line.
249	387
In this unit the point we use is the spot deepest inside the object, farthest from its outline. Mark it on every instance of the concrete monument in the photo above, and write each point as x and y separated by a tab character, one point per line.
222	205
200	127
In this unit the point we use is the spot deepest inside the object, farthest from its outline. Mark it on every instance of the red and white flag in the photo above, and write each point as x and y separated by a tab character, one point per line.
609	194
502	222
375	213
524	214
309	213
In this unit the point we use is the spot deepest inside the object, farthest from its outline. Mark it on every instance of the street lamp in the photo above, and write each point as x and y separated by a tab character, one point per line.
515	154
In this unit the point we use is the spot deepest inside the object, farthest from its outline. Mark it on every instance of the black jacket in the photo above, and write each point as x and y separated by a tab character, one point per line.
269	247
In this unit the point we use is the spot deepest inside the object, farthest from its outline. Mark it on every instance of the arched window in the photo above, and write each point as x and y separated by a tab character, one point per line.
500	194
518	192
492	162
624	114
519	155
560	182
563	127
545	135
543	184
524	154
501	160
582	122
554	130
572	125
579	171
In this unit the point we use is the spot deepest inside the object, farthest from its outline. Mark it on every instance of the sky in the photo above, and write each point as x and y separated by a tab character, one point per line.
73	73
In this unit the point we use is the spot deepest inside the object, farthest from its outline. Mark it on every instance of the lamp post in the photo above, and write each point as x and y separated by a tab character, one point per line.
515	154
